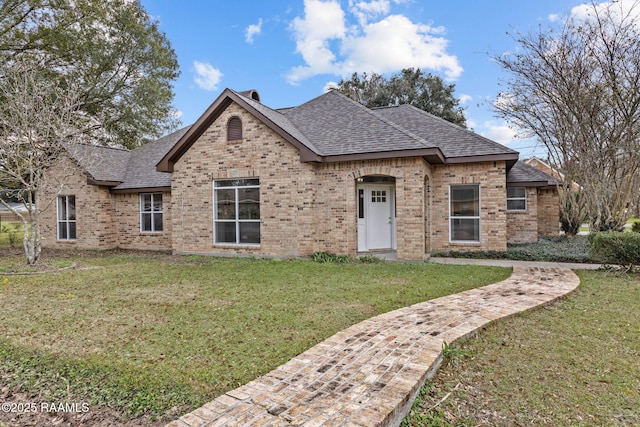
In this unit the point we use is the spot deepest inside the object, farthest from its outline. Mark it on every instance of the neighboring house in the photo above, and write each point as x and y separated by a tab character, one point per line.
7	216
328	175
545	167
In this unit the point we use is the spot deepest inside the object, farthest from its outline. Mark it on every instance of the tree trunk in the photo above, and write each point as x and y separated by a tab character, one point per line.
31	240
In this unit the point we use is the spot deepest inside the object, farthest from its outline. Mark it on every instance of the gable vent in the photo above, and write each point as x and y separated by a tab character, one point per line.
234	129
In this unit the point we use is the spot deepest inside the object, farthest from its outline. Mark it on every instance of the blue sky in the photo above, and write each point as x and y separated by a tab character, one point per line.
290	50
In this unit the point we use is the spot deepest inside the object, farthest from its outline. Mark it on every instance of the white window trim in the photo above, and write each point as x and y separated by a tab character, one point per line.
65	221
237	209
526	204
151	212
466	217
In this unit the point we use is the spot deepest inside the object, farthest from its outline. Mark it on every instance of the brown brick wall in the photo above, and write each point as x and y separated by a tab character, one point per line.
304	207
337	212
103	220
287	189
548	212
522	226
539	220
95	221
491	177
127	208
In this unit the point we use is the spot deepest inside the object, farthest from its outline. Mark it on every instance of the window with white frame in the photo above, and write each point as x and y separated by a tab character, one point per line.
516	198
151	212
66	217
237	211
464	213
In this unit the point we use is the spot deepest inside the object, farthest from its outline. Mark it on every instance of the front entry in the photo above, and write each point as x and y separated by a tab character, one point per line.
376	217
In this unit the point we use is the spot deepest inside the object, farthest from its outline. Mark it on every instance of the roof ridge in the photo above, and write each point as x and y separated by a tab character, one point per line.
257	105
383	119
86	144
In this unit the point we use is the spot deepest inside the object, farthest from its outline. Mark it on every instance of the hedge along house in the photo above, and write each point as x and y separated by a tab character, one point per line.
328	175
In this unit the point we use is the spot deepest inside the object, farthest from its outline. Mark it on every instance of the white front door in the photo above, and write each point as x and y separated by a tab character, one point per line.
376	224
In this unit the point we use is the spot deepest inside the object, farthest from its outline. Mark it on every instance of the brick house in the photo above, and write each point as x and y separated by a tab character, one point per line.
328	175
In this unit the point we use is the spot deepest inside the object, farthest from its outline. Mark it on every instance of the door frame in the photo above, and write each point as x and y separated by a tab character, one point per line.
364	225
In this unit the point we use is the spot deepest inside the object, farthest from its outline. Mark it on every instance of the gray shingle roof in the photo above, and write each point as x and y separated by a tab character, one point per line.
101	163
131	169
141	168
337	125
281	120
329	125
453	140
523	173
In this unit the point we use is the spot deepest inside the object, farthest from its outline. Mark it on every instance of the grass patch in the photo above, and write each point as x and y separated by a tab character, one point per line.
158	334
575	362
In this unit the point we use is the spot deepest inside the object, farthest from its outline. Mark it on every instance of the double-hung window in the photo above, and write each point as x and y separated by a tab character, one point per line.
151	212
516	198
66	217
237	211
464	213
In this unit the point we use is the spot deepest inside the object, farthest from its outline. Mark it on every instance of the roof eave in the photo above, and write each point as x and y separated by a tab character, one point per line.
140	190
509	158
431	155
102	183
529	184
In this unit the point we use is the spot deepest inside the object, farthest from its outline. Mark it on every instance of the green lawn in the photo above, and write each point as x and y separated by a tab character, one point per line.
157	334
574	363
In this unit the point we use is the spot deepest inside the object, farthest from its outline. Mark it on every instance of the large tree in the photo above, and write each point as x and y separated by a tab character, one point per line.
577	89
75	71
111	49
39	120
411	86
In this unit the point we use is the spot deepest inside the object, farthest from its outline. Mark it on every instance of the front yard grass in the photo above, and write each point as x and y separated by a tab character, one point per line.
161	335
573	363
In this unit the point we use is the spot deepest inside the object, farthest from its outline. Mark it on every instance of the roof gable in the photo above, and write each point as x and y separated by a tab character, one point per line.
270	117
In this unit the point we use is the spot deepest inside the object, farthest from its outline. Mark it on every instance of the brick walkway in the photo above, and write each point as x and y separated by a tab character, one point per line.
370	373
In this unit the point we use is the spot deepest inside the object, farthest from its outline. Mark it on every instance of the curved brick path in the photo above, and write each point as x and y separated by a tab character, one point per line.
370	373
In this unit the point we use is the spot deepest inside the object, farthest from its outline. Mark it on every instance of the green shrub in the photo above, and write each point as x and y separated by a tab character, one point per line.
370	259
616	247
635	227
12	233
330	257
552	249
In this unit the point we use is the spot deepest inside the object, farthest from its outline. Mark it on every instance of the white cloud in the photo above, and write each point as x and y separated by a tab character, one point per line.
622	8
464	98
207	77
553	17
252	31
501	133
378	42
329	86
324	21
366	10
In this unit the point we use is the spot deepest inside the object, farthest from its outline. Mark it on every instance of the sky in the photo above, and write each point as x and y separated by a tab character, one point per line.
290	51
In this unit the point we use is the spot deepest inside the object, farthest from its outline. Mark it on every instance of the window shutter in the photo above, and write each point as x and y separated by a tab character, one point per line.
234	129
